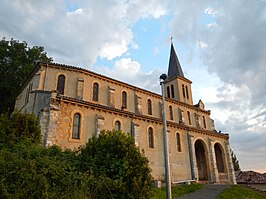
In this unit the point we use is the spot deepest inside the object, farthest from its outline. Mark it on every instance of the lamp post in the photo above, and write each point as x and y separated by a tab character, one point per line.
165	141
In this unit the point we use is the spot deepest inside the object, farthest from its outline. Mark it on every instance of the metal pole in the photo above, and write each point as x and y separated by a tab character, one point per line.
166	153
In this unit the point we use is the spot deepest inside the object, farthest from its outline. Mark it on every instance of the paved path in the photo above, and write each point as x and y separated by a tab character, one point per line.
207	192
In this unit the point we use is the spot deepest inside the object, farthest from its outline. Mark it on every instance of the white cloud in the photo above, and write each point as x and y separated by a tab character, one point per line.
126	67
202	44
210	11
129	71
113	50
78	36
212	25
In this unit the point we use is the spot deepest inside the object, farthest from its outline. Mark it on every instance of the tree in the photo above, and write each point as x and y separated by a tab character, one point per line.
115	156
17	60
235	161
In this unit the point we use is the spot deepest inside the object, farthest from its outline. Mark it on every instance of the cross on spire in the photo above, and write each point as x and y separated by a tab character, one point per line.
171	38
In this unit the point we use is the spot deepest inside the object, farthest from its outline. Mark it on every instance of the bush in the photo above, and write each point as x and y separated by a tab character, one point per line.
19	128
37	172
110	166
114	155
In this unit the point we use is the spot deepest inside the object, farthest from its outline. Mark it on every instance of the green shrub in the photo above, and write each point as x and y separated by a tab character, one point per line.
114	155
37	172
110	166
19	128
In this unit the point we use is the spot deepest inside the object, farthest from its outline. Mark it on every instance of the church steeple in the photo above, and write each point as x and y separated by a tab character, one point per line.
174	68
177	87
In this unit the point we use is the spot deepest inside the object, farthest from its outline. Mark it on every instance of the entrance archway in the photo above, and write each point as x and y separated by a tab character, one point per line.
219	158
201	157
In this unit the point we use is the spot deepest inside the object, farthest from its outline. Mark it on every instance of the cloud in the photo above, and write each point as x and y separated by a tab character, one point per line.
77	32
202	44
129	71
113	50
247	143
127	68
232	45
237	48
210	11
236	53
186	22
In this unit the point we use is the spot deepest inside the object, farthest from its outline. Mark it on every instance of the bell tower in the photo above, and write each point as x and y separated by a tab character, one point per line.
177	87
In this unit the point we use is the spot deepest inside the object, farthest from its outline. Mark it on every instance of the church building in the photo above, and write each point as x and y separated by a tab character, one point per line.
73	104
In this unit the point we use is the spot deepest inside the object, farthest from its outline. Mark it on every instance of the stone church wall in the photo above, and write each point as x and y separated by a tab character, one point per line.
191	123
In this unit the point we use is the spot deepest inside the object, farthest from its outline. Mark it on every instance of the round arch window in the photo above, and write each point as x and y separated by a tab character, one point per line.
117	125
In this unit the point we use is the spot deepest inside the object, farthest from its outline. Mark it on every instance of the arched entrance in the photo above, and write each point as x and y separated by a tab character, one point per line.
201	157
219	158
220	162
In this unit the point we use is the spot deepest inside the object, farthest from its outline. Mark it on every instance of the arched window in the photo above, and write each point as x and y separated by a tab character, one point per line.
171	113
124	99
168	91
76	126
204	122
151	138
178	142
61	84
149	107
95	96
189	118
187	92
172	91
117	125
183	89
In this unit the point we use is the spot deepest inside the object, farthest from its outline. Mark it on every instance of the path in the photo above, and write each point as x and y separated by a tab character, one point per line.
207	192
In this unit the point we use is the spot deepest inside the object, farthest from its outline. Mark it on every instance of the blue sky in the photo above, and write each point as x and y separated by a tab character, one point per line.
220	44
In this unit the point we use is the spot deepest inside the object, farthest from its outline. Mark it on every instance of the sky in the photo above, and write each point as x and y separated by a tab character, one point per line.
220	44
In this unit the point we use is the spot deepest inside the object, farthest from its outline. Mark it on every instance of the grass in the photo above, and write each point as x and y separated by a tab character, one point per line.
240	192
177	190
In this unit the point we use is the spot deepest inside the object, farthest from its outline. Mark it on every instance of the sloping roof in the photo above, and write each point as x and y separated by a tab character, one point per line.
174	68
250	177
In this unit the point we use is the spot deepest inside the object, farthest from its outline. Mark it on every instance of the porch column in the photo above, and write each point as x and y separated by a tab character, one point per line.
214	170
192	155
231	171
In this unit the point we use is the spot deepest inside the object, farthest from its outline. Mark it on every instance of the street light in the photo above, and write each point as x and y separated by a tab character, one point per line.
165	141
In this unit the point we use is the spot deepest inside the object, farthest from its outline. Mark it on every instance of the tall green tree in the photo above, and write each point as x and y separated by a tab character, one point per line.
235	161
17	60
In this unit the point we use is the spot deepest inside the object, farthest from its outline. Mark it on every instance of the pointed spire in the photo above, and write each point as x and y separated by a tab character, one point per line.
174	68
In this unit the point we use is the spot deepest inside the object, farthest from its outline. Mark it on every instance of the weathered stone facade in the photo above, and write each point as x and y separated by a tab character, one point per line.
74	104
